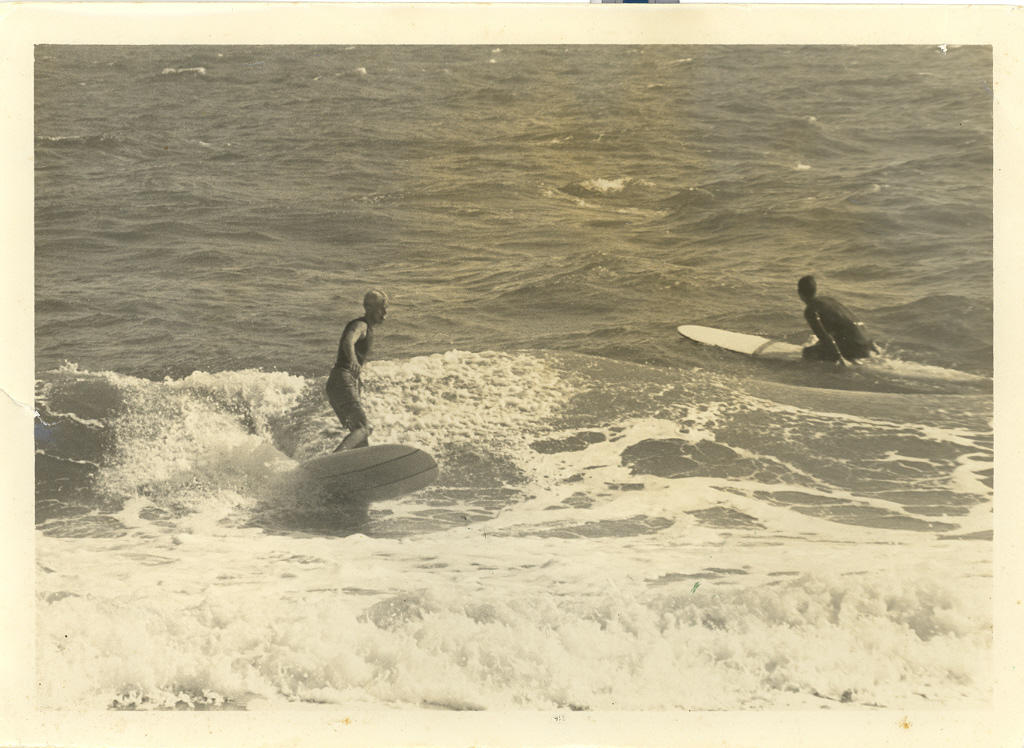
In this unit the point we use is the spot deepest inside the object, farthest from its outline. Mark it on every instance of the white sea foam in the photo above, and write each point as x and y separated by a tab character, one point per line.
178	71
476	621
590	585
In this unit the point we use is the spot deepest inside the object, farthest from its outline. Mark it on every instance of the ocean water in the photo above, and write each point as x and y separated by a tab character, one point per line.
624	520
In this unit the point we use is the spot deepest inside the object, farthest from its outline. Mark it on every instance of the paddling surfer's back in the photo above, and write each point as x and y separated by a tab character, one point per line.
841	336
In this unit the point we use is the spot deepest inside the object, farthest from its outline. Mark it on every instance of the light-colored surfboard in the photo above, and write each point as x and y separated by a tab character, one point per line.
752	345
376	473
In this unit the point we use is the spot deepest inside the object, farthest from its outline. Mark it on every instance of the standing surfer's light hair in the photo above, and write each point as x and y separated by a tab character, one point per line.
375	298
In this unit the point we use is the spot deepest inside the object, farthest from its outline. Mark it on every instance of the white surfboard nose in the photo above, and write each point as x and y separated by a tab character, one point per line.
752	345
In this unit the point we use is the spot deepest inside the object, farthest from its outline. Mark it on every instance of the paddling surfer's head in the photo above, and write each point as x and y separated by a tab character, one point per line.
807	287
376	305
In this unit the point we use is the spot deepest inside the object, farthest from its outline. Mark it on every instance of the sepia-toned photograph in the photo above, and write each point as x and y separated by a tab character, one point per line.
493	377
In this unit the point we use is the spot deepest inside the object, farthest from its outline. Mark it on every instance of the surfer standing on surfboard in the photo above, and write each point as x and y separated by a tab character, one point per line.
344	384
840	335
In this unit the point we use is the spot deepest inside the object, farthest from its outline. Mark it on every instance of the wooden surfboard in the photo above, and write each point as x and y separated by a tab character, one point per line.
377	473
752	345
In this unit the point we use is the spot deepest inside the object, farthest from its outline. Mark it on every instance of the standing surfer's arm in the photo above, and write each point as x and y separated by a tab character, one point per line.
353	334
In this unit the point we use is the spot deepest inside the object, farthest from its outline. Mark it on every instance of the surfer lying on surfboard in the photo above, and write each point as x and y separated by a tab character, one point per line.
841	336
344	384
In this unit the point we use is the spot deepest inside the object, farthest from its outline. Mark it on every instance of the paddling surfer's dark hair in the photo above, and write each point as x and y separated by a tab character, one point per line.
807	286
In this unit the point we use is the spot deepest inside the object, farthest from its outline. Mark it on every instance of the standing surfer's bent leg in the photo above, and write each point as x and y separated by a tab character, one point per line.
343	394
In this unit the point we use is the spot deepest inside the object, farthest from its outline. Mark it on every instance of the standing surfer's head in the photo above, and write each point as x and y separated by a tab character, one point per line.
376	305
807	287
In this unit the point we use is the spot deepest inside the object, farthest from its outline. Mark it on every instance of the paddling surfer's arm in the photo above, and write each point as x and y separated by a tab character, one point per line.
814	320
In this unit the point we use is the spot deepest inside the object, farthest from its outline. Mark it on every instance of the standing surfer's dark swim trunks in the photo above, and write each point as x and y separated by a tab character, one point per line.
343	394
827	317
344	387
